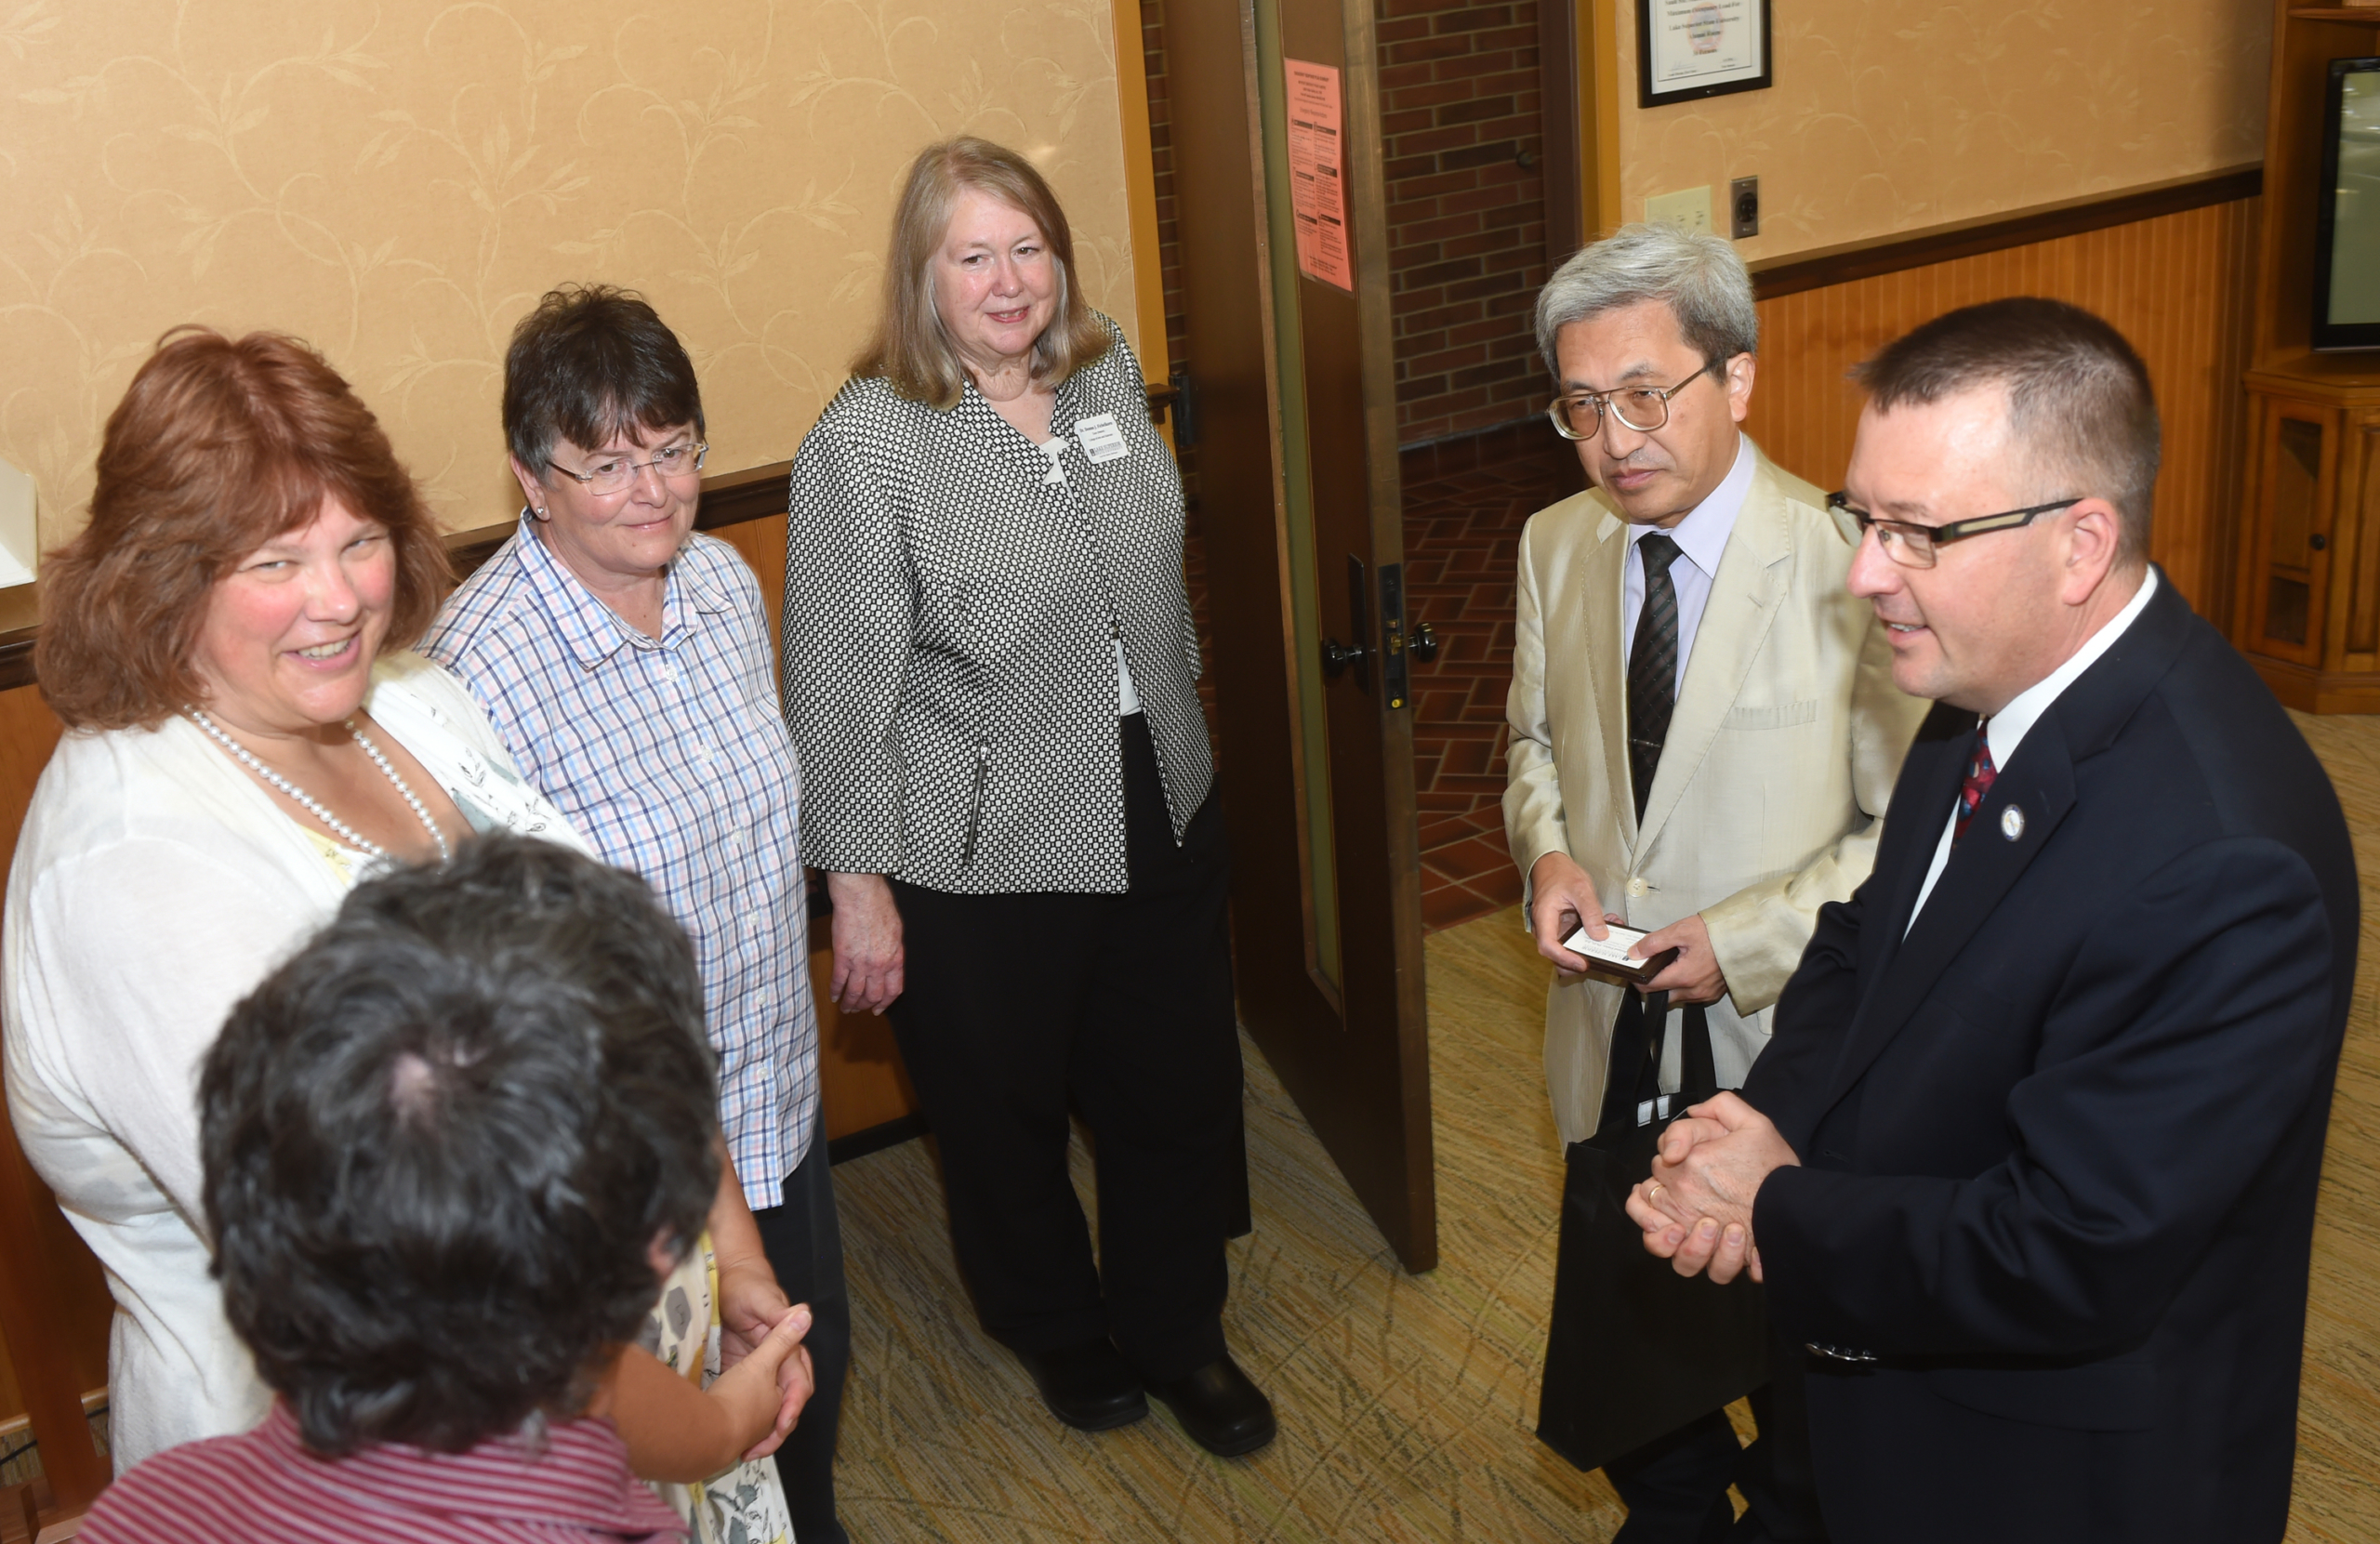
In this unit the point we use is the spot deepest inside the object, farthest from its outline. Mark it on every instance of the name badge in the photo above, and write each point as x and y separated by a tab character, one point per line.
1101	439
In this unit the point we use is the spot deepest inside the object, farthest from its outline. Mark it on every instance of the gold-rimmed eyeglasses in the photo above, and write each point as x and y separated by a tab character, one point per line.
1913	546
1579	414
612	474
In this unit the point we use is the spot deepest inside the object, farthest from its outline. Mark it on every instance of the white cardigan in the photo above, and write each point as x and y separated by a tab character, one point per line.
154	884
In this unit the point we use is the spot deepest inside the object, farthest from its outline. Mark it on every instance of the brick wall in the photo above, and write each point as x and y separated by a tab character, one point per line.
1466	219
1169	229
1169	232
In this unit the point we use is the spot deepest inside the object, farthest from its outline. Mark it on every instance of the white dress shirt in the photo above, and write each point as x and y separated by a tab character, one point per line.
155	885
1701	537
2007	727
1128	701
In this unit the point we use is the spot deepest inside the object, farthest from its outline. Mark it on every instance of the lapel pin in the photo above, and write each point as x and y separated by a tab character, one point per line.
2012	823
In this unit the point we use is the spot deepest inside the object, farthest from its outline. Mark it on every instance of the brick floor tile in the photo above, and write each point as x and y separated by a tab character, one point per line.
1463	860
1501	885
1469	756
1450	905
1438	830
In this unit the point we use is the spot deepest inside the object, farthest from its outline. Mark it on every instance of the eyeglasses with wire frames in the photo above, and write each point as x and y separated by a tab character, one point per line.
613	473
1913	546
1642	408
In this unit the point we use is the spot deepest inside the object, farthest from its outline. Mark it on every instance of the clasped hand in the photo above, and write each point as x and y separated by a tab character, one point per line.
752	1310
1696	1207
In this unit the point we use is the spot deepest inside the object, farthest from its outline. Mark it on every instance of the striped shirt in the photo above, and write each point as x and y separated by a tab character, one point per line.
671	757
265	1487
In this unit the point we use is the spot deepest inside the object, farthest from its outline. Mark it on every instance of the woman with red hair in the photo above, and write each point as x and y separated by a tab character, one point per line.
246	736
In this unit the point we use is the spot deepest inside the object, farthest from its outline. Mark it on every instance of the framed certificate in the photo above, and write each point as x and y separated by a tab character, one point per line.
1687	50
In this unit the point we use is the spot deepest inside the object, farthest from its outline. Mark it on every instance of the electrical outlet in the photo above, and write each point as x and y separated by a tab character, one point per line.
1688	209
1743	207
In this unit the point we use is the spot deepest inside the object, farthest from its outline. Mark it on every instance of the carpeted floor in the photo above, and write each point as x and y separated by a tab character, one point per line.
1406	1402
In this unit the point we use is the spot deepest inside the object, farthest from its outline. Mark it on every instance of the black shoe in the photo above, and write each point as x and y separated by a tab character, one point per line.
1089	1386
1223	1411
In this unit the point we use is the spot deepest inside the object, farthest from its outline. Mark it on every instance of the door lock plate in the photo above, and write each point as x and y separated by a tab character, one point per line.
1394	675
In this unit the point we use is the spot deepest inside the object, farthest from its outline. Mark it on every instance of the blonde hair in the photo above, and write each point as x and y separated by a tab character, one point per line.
910	347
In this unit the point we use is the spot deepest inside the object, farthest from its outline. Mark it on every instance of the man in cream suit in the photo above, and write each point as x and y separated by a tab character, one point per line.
1704	724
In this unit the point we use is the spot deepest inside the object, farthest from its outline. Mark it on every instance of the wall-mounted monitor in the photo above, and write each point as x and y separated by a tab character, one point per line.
2346	240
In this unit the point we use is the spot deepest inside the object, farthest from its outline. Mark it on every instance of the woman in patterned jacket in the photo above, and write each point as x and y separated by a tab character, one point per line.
990	671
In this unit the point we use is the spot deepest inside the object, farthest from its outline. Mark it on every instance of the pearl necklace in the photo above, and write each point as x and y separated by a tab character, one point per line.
345	832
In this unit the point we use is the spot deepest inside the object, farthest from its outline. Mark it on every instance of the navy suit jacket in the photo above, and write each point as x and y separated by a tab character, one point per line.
2061	1144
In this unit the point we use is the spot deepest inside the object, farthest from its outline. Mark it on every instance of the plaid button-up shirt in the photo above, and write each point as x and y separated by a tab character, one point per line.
670	757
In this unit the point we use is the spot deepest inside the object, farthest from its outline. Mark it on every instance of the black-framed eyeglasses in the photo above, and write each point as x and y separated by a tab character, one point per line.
612	474
1912	545
1642	408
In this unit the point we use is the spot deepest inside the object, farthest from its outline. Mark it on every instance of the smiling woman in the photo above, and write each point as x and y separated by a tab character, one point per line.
225	644
991	673
624	661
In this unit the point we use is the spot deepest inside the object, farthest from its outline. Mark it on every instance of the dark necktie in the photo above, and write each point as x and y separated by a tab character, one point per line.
1980	771
1652	667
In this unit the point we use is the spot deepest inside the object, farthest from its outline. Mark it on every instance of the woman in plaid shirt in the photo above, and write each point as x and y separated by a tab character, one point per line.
625	660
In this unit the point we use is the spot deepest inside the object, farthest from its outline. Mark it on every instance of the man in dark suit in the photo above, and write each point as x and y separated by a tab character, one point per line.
2030	1163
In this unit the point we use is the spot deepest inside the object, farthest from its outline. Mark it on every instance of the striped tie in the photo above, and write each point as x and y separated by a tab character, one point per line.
1652	667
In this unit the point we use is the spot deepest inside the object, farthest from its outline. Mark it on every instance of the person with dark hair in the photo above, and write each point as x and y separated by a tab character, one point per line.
626	662
991	673
1704	733
2030	1166
450	1147
246	734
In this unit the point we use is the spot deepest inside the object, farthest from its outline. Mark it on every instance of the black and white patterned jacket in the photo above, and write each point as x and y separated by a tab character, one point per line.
949	655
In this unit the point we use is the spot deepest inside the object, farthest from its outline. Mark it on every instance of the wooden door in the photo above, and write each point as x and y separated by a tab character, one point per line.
1299	507
2286	571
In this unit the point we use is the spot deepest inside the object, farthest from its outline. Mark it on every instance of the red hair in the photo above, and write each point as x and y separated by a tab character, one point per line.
218	446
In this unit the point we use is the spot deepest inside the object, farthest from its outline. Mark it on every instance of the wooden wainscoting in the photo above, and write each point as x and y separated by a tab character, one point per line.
67	1346
2179	285
861	1079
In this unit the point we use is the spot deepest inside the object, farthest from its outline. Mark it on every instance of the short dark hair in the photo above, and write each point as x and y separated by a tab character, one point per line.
219	445
593	361
2080	406
440	1141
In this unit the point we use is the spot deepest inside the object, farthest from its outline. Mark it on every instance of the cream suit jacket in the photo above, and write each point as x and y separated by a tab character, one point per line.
1786	739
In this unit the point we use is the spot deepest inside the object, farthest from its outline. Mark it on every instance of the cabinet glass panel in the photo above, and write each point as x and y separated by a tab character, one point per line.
2297	471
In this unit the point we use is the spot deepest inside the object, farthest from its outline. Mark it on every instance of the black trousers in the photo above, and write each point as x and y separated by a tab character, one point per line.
804	1244
1676	1488
1016	1006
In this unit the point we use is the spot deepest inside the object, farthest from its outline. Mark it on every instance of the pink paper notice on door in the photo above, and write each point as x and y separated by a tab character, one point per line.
1318	196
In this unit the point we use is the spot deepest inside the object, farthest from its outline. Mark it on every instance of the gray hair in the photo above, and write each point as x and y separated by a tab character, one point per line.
1698	276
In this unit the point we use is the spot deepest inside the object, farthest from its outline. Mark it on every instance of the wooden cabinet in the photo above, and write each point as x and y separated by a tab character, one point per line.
2307	611
2309	606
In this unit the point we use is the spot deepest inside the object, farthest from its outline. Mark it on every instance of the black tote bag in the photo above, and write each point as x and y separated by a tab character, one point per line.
1637	1350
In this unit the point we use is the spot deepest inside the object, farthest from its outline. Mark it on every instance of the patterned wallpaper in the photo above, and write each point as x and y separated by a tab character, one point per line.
397	180
1894	115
